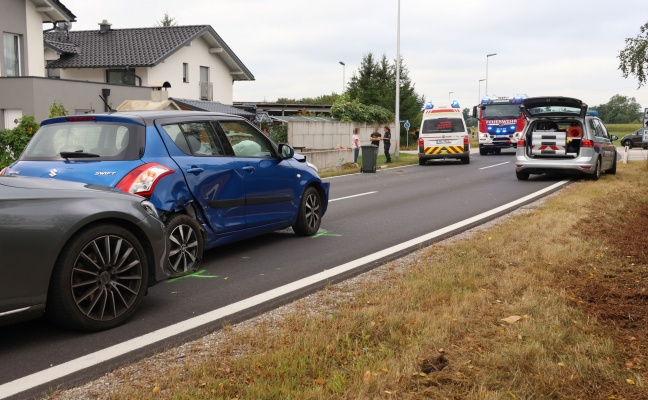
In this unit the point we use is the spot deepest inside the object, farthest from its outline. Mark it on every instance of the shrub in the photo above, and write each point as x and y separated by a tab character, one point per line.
13	141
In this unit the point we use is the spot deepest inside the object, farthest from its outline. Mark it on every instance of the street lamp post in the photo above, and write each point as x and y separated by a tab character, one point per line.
343	80
479	91
449	93
397	106
487	56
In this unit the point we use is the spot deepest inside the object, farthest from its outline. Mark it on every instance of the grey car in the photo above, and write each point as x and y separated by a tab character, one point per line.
634	139
83	255
561	136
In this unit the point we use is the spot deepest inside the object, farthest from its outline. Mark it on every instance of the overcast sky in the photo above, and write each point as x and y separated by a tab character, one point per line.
293	47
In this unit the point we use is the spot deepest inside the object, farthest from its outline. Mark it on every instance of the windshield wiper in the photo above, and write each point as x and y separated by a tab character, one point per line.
77	154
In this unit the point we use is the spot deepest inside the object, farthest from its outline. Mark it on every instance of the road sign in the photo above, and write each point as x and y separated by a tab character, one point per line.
407	125
645	118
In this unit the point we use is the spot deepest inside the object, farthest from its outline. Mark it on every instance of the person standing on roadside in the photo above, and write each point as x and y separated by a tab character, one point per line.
387	143
355	144
375	138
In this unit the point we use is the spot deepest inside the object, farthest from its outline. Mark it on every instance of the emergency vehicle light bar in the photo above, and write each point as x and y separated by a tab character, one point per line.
455	104
429	105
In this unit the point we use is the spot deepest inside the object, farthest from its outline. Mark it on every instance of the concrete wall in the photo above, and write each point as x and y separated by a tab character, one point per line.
328	159
331	134
34	95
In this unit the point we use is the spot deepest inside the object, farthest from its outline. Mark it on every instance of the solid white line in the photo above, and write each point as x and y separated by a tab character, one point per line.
87	361
355	195
491	166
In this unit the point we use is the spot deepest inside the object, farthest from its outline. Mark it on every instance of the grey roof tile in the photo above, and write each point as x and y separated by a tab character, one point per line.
137	47
214	106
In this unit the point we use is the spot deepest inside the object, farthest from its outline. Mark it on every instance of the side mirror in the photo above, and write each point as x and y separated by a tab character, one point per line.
285	151
474	112
614	137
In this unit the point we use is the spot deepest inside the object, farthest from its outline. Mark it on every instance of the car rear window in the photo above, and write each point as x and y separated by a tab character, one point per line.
443	125
556	110
86	140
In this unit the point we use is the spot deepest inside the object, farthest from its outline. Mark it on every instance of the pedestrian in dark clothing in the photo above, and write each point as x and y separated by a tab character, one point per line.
375	139
387	143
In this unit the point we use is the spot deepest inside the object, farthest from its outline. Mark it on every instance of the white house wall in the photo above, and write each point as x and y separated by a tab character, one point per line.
35	47
196	55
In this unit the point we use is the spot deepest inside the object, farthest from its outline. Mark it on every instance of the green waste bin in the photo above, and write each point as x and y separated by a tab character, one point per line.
369	158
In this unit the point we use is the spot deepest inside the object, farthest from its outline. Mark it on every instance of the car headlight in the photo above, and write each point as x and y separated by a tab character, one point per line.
150	208
312	166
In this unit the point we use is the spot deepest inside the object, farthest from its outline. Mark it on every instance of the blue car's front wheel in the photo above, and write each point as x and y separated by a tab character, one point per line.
309	216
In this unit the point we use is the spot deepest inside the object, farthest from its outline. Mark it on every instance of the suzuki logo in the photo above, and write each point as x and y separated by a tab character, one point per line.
53	173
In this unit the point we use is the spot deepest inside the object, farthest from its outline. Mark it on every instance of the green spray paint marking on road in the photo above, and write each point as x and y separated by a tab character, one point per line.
324	233
197	274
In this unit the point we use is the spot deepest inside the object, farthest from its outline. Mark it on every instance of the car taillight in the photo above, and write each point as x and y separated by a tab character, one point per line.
521	143
142	180
466	141
587	143
420	142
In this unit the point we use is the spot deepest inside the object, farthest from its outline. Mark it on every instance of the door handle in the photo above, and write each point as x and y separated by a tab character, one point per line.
195	169
248	168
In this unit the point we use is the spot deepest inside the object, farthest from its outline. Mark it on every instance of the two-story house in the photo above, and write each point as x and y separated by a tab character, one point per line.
79	68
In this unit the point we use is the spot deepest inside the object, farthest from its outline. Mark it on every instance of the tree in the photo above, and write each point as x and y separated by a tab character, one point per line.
619	110
375	84
167	21
467	114
633	60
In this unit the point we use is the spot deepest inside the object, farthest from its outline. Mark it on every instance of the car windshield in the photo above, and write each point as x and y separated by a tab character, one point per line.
498	111
96	140
443	125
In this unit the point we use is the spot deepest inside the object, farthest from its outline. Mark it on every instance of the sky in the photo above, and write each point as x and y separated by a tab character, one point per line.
294	47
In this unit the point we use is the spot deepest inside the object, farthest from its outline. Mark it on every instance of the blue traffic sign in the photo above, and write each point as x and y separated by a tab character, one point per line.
407	125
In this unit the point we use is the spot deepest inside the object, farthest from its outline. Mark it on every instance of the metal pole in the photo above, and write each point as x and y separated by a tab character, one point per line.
343	80
449	93
479	91
487	55
396	152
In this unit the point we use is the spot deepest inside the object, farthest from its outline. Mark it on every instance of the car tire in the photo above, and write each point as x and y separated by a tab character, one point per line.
99	279
185	244
465	160
521	175
597	170
483	151
309	216
498	151
627	143
612	170
422	161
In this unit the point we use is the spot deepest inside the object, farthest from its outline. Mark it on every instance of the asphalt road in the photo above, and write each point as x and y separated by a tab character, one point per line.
372	217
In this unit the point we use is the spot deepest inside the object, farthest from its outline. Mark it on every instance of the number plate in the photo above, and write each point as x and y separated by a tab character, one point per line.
445	141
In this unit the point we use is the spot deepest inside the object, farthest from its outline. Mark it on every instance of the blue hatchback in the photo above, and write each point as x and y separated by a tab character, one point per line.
214	178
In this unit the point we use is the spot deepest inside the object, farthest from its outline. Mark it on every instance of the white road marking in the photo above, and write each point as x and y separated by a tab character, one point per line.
70	367
491	166
350	197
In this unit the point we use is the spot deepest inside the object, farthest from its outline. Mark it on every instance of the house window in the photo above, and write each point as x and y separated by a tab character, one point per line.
124	76
11	54
205	85
185	72
54	73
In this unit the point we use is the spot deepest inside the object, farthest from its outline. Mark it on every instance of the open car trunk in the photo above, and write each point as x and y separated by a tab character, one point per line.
546	142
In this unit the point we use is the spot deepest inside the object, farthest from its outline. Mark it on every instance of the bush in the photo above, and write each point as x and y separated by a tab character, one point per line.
13	141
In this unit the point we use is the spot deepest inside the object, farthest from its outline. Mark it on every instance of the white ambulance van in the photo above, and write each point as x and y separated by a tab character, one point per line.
443	134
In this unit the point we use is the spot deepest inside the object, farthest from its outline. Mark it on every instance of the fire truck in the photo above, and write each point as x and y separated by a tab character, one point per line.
501	123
